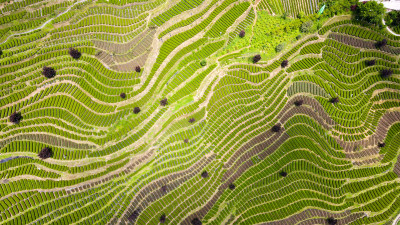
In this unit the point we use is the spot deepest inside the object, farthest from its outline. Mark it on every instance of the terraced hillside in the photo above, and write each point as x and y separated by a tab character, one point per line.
148	112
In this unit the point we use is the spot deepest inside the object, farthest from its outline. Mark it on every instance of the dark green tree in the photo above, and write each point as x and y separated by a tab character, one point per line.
370	12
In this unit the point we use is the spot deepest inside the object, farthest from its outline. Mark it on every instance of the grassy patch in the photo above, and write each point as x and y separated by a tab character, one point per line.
183	102
269	32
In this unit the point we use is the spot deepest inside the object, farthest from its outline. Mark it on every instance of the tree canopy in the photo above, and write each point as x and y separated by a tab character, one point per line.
393	19
136	110
45	153
256	58
48	72
242	33
370	12
75	53
164	102
15	117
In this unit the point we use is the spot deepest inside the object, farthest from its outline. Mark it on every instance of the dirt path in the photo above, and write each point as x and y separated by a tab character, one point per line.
390	31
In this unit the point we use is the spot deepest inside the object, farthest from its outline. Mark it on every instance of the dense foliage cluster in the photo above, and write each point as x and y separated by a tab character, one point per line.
306	26
74	53
298	102
15	117
136	110
256	58
382	43
335	7
371	12
331	221
48	72
276	128
334	100
45	153
163	218
196	221
284	63
242	33
164	102
385	73
392	19
134	215
371	62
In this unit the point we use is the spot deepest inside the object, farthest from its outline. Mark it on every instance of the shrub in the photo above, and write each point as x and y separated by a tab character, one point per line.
382	43
276	128
138	69
283	173
1	52
164	188
15	117
164	102
298	37
134	215
306	26
122	95
284	63
75	53
136	110
48	72
298	102
371	62
203	62
353	8
331	221
45	153
196	221
334	100
192	120
204	174
186	140
232	186
385	73
381	144
256	58
280	47
162	218
242	33
393	18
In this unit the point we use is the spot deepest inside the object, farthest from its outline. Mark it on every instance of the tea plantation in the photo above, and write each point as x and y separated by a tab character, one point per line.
198	112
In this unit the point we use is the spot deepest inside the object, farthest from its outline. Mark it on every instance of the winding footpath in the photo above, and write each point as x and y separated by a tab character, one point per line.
396	220
45	23
390	31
